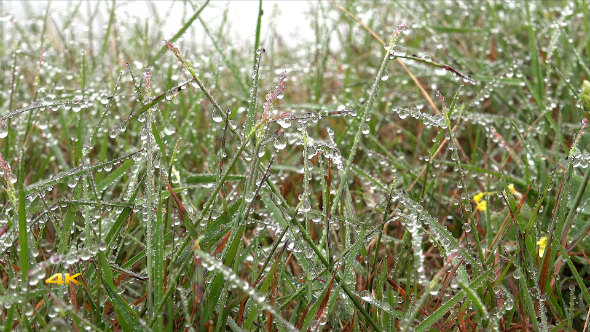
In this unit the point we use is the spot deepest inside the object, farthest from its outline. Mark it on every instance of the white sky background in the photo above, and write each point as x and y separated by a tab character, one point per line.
292	19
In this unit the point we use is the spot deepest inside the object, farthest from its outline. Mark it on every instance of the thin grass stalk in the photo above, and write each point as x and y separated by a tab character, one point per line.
364	114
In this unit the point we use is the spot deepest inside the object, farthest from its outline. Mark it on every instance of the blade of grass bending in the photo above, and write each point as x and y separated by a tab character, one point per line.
234	249
574	270
362	119
324	261
418	84
127	318
218	185
316	309
188	66
180	32
438	314
108	180
232	278
75	172
264	288
472	295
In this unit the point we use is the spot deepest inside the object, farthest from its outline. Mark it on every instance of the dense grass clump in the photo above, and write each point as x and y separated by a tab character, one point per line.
419	166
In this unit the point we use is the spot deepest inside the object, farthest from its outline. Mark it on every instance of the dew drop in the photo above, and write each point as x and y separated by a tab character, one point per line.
3	129
366	296
305	205
216	115
170	94
280	143
365	128
398	50
72	182
284	122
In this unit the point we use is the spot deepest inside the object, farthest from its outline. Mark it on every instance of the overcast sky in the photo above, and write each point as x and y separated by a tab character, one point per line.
291	19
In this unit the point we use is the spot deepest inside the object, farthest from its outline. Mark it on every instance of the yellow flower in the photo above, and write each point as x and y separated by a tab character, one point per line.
542	243
514	192
482	206
478	197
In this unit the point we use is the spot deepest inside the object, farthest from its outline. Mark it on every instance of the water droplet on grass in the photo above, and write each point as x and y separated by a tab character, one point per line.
365	128
76	107
216	115
284	122
366	296
169	95
3	129
72	182
398	50
169	130
280	143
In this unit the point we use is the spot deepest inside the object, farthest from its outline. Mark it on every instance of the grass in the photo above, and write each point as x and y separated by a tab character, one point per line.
416	167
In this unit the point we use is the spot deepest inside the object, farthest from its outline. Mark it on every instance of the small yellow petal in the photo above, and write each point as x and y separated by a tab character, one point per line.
482	206
542	243
514	192
511	187
478	197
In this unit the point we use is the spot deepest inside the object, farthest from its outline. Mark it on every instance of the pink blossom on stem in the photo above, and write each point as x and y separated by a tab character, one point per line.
4	166
273	95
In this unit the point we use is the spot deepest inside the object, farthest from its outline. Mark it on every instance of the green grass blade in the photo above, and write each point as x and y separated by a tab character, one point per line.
128	319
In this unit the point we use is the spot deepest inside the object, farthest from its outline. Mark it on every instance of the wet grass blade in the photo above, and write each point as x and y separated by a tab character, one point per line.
450	304
128	319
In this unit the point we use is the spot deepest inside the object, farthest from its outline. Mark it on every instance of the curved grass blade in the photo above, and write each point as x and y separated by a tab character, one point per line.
128	319
438	314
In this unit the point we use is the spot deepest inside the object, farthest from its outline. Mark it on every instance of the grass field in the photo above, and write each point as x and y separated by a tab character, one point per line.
418	166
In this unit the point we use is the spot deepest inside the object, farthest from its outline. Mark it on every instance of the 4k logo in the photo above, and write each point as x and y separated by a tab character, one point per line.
57	279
